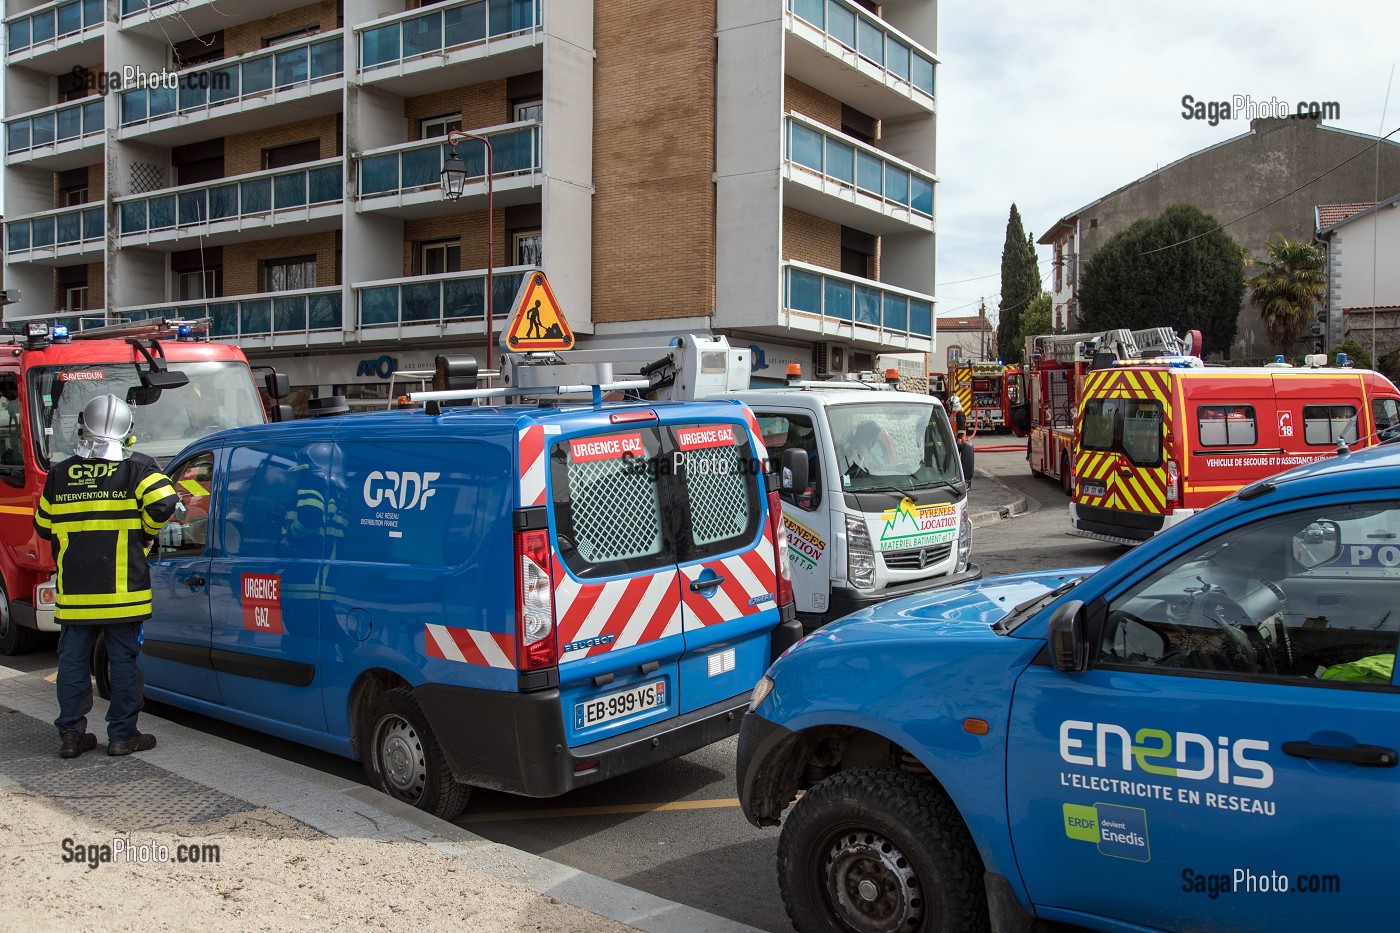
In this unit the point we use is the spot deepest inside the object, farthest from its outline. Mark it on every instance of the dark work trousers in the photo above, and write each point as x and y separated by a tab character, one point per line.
75	685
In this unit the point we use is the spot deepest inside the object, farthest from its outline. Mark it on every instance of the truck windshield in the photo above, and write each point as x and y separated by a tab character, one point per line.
219	395
902	443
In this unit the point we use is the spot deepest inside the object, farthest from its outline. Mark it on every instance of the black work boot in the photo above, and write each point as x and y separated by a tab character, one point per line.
140	742
73	744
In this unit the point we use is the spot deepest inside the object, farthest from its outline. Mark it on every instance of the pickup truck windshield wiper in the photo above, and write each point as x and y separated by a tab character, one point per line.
902	493
1033	605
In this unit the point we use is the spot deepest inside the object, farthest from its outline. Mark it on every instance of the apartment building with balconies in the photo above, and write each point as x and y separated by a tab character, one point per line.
762	168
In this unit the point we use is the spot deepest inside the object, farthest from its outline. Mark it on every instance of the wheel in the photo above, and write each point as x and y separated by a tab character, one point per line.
874	850
403	759
1066	480
14	638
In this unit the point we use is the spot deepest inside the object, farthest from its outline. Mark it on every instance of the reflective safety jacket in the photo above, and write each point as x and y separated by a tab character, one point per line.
97	516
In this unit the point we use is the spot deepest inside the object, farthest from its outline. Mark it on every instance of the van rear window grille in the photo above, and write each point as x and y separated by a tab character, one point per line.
718	493
615	512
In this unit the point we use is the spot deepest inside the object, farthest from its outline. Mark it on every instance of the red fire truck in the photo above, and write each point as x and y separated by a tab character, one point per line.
982	387
180	388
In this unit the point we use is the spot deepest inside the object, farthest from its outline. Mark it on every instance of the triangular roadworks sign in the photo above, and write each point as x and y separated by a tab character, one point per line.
537	324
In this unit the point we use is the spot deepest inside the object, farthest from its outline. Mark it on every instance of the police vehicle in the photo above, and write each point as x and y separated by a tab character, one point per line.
1200	736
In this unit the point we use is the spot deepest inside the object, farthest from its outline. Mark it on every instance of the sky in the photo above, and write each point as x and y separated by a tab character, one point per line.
1052	105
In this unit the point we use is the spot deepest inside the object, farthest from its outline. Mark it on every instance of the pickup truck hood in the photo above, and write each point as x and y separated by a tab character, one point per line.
965	609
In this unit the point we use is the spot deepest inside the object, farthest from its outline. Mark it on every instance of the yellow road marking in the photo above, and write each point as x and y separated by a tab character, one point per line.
608	810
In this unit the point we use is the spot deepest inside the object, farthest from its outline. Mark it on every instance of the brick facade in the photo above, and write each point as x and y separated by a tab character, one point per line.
250	37
653	161
243	262
243	153
480	105
811	103
468	229
811	239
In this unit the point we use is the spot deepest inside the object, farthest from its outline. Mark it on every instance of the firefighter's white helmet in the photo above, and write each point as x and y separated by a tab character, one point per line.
103	427
955	403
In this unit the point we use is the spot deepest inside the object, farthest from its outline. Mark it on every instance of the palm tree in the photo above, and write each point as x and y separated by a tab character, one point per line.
1289	290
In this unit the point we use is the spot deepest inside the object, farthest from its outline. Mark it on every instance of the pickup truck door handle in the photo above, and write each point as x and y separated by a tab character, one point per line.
698	585
1375	756
194	581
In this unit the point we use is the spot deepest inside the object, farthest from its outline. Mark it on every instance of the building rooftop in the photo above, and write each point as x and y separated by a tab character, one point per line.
963	323
1329	214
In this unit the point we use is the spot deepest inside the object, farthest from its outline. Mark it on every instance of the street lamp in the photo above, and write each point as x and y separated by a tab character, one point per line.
454	180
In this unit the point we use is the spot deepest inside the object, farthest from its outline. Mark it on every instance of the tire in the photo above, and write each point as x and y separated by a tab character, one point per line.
1066	480
403	759
14	638
874	849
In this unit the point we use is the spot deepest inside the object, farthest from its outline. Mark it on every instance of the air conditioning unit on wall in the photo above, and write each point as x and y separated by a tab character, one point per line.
830	359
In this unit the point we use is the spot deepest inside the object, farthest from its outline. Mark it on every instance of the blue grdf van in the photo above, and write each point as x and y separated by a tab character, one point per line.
517	597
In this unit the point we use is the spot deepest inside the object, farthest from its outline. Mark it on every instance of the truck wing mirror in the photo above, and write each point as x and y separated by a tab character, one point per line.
278	385
795	471
1069	647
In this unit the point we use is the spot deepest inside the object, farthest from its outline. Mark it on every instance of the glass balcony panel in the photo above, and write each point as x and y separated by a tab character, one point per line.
92	12
327	60
133	107
898	58
422	35
324	312
812	11
163	101
132	6
379	46
504	289
464	24
17	136
43	129
292	67
507	16
896	312
70	123
257	75
473	156
921	195
421	302
19	35
897	184
380	173
161	212
42	231
41	27
93	116
464	298
921	74
806	147
70	19
867	305
223	202
513	152
836	298
255	317
379	305
223	84
223	319
870	41
94	224
920	318
841	24
18	236
194	91
256	195
132	217
192	207
870	173
840	160
289	315
804	291
422	167
324	184
289	191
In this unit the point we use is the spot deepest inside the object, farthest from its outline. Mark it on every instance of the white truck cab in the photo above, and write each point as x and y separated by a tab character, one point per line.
882	508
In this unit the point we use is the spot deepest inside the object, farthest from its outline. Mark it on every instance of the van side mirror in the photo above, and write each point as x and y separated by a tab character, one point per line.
1069	647
278	385
795	471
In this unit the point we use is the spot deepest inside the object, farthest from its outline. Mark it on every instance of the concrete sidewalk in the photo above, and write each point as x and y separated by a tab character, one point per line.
989	500
193	780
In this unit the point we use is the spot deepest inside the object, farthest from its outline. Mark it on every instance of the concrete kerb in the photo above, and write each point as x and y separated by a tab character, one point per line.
341	808
1008	502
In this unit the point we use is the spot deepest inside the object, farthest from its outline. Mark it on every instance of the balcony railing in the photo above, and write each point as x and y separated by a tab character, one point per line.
851	300
435	299
270	314
255	194
515	150
234	80
59	124
443	28
52	23
869	37
68	226
857	166
133	7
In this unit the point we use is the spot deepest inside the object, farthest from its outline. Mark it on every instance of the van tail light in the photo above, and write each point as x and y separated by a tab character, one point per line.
780	546
537	645
1173	484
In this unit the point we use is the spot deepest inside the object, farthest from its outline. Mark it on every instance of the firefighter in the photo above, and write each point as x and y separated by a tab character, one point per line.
100	511
959	418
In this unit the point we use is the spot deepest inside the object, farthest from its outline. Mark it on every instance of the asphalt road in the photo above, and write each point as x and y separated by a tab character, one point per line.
675	830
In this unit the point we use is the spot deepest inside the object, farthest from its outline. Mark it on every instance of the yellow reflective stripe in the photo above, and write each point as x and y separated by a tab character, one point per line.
104	524
122	563
123	612
104	599
94	505
150	481
194	486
